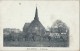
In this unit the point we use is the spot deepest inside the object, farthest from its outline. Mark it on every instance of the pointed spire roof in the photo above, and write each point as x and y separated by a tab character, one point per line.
36	14
35	24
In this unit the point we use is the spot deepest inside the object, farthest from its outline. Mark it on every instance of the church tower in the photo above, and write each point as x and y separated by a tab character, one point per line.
36	14
35	26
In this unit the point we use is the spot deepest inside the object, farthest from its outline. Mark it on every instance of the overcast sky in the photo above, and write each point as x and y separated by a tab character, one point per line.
14	14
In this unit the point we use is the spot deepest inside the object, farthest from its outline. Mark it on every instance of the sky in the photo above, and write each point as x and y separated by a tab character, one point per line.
14	14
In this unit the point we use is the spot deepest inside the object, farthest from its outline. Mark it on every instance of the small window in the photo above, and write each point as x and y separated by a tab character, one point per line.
36	28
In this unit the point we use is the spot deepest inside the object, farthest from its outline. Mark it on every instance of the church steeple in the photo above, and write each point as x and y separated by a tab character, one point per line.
35	27
36	15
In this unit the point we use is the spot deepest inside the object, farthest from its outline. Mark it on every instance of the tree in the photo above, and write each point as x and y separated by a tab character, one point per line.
60	28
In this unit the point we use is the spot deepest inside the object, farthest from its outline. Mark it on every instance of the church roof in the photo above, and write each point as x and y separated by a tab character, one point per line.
26	25
36	23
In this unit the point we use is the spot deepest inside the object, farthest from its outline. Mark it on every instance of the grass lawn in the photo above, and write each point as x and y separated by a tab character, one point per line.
34	44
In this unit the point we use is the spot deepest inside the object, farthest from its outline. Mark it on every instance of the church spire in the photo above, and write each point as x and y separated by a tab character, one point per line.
36	14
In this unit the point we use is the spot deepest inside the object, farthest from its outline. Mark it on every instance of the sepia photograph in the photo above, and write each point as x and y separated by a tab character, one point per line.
39	25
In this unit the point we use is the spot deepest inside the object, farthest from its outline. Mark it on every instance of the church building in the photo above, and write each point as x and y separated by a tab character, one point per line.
35	27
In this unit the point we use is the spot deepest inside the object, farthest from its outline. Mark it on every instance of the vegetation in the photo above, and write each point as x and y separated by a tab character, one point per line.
58	35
